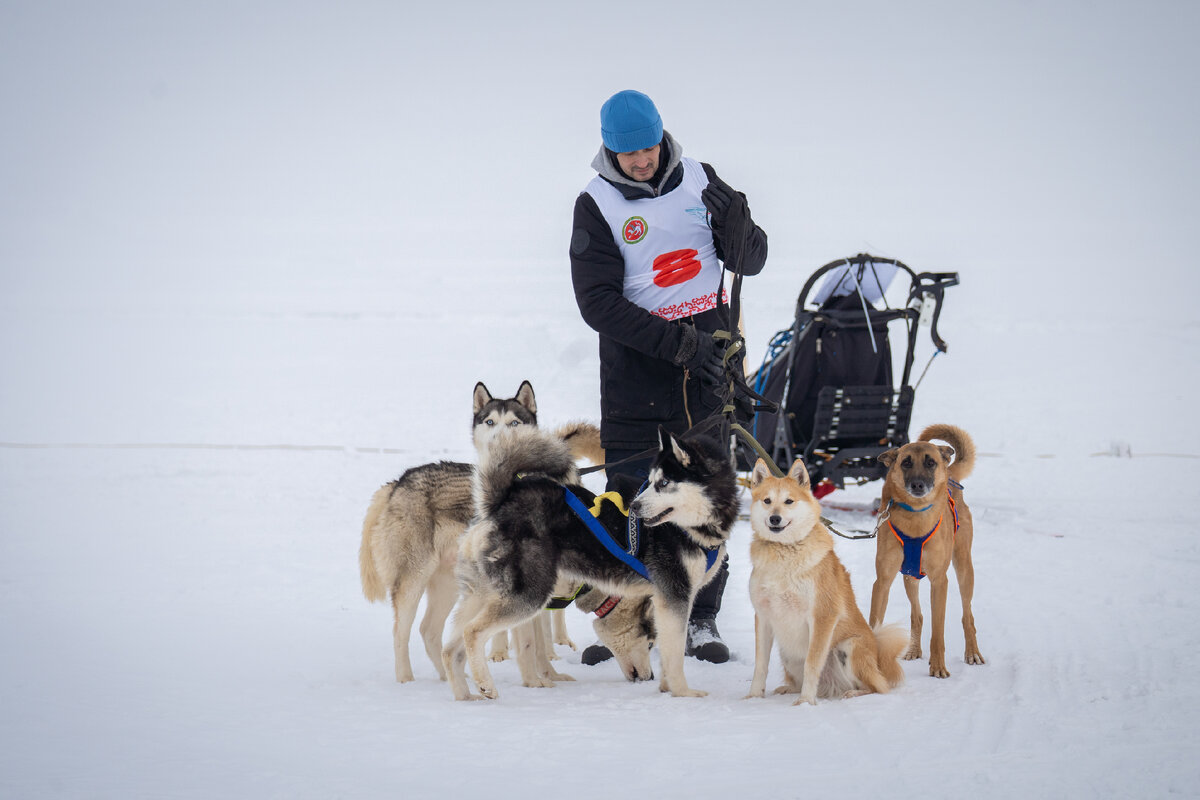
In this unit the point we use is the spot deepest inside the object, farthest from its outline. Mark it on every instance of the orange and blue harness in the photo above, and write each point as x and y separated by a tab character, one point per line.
914	546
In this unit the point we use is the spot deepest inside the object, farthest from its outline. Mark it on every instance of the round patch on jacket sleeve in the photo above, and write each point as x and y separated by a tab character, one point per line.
579	242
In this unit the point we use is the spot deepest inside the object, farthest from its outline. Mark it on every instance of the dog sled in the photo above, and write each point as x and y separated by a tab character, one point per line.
831	373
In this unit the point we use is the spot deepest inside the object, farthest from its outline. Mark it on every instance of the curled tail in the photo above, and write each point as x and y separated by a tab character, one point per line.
960	440
584	440
890	642
372	584
520	451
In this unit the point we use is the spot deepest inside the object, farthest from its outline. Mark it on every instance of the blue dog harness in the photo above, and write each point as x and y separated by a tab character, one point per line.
913	546
589	517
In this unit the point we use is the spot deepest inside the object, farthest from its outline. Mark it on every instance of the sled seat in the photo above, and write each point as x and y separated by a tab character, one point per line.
853	425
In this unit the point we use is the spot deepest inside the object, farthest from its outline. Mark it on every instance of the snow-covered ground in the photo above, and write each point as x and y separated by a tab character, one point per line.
253	258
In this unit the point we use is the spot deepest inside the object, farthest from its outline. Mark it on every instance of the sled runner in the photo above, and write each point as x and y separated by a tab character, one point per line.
831	373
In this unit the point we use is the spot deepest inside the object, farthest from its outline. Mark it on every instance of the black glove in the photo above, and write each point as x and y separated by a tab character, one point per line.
730	216
707	363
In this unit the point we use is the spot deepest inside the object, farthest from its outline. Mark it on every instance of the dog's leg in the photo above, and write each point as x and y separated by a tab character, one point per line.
790	685
670	619
558	618
499	648
886	567
526	648
406	596
912	588
820	640
454	654
764	639
439	602
964	570
544	649
474	635
939	586
791	668
496	614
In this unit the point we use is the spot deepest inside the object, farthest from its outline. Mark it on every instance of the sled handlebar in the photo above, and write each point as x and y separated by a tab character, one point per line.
934	284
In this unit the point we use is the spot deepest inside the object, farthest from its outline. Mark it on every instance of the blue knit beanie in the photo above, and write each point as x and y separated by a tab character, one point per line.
629	121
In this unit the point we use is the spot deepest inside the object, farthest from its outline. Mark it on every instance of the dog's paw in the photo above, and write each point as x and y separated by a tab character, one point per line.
407	678
566	642
812	701
753	694
690	693
497	656
539	682
974	657
560	676
938	670
913	653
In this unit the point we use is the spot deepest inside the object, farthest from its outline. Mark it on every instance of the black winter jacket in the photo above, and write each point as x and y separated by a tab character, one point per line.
642	383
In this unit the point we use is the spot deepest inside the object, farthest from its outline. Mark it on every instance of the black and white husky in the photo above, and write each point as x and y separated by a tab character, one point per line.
413	524
526	537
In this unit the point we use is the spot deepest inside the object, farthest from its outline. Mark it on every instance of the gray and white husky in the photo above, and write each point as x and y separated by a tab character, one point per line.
413	524
526	539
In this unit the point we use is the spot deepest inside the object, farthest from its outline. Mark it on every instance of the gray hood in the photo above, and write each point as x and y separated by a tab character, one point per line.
609	171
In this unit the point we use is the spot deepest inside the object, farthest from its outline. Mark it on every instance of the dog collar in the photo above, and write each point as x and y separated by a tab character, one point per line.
555	603
606	607
909	508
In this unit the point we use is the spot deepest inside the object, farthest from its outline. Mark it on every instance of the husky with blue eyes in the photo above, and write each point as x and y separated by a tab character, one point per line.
537	526
413	524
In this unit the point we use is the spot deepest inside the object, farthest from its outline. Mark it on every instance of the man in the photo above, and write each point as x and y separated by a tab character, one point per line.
650	231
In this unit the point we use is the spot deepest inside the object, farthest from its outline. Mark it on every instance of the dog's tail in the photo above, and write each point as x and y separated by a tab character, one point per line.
372	584
960	440
890	642
584	440
520	451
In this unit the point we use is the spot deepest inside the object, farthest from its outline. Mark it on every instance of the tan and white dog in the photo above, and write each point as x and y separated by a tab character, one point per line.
803	600
413	524
928	527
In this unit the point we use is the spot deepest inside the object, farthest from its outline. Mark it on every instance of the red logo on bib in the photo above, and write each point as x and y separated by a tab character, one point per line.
634	230
675	267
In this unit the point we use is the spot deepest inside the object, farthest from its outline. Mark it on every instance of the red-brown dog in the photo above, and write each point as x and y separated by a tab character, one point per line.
928	527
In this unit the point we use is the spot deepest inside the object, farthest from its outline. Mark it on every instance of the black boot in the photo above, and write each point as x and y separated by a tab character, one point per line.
704	641
595	654
703	638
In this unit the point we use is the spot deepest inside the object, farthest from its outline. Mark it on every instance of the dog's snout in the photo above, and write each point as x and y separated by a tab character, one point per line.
775	520
918	488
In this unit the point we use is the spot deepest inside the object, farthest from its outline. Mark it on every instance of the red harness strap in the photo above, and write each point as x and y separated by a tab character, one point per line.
607	606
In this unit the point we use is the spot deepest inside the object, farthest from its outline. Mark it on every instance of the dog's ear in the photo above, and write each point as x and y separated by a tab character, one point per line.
664	439
761	473
798	472
947	453
888	458
481	397
668	442
525	396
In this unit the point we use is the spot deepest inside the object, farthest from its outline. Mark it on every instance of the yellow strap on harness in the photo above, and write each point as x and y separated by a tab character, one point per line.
612	497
